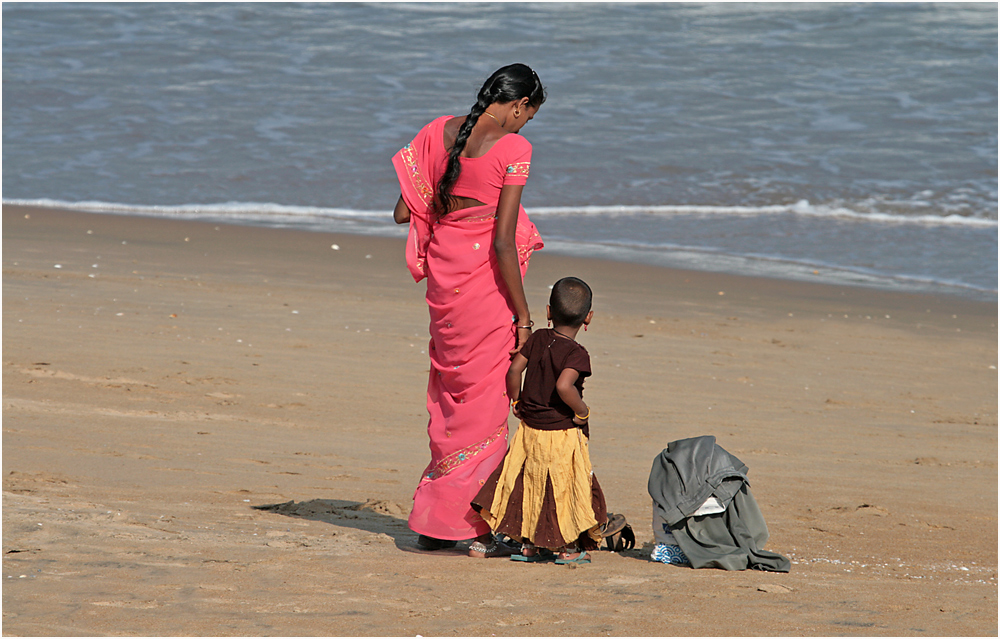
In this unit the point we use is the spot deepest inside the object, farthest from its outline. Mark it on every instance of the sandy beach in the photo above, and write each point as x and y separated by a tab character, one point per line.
216	430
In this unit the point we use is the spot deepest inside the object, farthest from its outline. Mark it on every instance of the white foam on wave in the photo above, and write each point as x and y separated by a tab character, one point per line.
237	210
679	255
257	210
802	207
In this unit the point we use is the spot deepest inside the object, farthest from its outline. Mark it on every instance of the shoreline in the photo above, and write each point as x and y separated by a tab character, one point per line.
338	222
220	432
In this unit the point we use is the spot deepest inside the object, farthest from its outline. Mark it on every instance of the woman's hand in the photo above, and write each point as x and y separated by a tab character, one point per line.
523	333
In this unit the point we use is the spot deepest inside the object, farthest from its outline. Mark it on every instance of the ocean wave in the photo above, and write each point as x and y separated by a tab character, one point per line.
236	210
846	268
702	258
256	210
802	207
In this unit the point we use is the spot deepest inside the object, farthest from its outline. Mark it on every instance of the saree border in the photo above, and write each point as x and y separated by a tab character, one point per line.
420	185
459	457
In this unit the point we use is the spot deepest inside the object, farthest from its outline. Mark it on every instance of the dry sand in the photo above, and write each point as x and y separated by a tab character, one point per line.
161	379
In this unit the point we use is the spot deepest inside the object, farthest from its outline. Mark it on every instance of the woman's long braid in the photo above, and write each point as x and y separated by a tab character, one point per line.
444	197
509	83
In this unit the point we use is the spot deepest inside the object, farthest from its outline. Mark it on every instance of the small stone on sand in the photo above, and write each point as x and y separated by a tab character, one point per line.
772	588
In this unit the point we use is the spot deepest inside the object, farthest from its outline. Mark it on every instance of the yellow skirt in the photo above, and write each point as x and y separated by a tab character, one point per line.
545	492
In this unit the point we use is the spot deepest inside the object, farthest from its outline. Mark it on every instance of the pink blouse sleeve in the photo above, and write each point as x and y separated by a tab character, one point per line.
518	161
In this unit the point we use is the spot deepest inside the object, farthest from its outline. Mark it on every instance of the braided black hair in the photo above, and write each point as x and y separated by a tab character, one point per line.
507	84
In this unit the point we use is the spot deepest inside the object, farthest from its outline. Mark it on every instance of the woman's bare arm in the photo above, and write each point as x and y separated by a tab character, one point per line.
505	245
401	213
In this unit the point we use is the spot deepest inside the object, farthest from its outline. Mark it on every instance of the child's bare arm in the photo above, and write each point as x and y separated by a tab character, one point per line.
517	366
569	394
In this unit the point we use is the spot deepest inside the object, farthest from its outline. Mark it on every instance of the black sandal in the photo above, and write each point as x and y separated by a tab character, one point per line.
618	533
498	548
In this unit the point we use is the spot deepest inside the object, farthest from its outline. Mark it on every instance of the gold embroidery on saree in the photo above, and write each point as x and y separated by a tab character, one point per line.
459	457
519	169
409	155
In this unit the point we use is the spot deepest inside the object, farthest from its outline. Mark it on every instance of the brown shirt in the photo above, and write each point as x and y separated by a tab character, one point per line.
548	354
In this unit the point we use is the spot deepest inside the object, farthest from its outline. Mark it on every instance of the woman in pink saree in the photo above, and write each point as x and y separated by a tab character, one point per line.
461	180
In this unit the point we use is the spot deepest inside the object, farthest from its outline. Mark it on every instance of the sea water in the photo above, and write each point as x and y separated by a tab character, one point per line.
840	143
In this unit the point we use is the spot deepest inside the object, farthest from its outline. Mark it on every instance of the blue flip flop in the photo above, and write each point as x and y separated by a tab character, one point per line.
526	558
541	554
582	558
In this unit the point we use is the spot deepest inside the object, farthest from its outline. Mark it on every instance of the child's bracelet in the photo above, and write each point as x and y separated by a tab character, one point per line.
583	418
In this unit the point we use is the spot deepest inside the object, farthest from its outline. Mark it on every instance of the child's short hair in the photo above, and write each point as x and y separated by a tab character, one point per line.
570	301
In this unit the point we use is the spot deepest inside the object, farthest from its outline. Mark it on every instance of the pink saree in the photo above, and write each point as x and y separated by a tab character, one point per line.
471	332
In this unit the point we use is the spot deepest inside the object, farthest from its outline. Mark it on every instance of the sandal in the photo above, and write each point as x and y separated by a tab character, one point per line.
530	559
498	548
541	554
582	558
618	533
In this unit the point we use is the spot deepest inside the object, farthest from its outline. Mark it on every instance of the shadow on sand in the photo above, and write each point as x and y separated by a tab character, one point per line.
386	517
374	516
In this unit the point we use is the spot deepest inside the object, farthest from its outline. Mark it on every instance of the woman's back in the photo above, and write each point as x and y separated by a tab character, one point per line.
492	158
480	141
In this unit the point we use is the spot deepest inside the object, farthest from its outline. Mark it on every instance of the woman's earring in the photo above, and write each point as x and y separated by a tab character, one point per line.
517	113
584	328
550	323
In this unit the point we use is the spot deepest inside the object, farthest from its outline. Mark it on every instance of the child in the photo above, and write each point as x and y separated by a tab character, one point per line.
545	493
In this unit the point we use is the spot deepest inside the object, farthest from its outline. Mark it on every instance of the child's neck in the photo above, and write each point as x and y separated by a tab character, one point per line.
567	331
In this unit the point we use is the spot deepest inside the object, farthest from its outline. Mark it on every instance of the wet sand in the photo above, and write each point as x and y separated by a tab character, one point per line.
163	380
